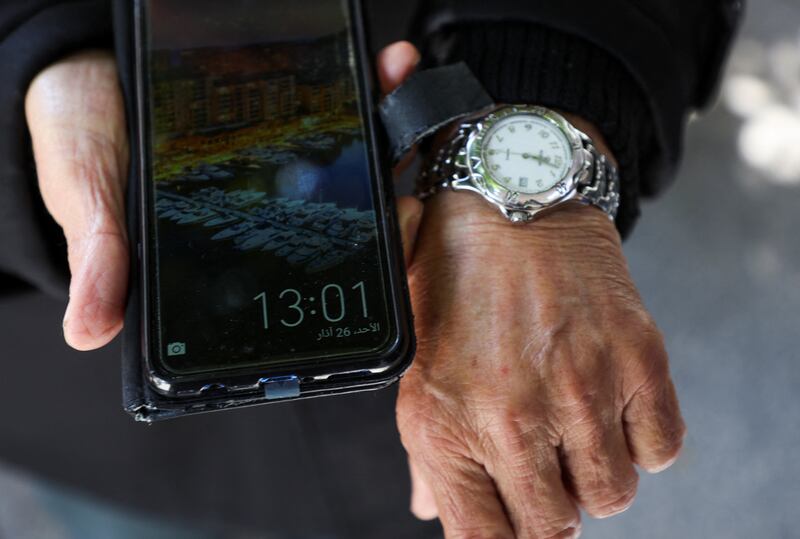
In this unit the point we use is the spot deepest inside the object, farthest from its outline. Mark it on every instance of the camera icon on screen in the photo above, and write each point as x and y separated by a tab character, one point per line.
176	349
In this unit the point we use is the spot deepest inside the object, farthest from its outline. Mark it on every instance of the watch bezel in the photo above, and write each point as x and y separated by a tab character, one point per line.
515	201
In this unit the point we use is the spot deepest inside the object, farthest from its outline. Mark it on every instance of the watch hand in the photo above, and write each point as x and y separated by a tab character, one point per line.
540	158
543	160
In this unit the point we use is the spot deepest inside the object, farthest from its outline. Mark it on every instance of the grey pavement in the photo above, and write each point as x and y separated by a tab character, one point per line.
718	263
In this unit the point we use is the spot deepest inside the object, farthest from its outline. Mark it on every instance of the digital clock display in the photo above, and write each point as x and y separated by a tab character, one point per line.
265	241
332	306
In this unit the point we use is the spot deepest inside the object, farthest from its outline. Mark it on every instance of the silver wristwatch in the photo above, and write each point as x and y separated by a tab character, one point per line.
525	160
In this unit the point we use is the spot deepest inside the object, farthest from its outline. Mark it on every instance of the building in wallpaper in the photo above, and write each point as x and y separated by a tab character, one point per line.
207	90
213	102
325	97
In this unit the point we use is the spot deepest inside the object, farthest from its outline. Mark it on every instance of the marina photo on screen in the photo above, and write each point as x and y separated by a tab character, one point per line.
265	235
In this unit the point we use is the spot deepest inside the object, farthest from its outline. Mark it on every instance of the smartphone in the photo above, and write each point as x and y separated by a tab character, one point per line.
268	264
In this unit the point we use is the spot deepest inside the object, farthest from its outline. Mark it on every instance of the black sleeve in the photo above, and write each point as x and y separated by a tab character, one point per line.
34	34
635	68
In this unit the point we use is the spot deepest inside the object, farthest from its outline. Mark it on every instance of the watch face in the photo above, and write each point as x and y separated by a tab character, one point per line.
526	153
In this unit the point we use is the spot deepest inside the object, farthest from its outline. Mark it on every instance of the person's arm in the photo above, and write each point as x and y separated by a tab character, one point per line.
590	58
541	380
34	34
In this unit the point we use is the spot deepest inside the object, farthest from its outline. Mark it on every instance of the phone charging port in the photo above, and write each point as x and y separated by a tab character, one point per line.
281	387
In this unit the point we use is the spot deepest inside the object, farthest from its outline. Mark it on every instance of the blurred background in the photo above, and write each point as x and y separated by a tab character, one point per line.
718	263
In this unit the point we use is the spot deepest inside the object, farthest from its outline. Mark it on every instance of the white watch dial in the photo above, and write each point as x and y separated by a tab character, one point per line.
527	154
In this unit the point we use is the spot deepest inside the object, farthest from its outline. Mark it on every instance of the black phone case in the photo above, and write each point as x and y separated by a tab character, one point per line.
139	397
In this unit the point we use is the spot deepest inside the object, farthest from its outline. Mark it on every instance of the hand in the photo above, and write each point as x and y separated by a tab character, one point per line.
76	118
540	379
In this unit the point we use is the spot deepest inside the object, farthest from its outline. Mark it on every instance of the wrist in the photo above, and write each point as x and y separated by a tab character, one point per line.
564	254
531	63
464	211
465	221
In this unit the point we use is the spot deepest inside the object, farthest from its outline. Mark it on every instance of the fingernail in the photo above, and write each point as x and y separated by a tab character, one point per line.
65	325
65	321
665	466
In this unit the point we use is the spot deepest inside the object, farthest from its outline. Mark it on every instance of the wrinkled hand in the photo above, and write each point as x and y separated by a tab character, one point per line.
540	378
77	123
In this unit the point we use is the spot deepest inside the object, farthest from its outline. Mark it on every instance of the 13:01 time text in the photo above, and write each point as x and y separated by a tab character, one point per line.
295	308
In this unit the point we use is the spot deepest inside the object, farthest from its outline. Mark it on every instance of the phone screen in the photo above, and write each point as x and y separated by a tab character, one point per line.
264	239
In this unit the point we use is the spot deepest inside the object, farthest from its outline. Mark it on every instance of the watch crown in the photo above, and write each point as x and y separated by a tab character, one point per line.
519	217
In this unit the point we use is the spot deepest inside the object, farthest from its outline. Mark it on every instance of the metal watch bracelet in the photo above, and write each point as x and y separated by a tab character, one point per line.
448	170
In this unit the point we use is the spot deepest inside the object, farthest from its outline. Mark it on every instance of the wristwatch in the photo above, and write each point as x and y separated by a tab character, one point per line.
525	160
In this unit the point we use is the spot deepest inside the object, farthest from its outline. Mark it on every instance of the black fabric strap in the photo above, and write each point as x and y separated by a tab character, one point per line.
428	101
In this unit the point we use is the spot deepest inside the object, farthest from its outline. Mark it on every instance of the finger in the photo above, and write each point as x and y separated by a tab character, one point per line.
652	417
76	119
423	503
409	214
654	427
405	162
599	468
528	476
467	500
395	64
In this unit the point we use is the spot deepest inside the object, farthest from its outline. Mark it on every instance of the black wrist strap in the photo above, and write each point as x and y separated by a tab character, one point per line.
428	101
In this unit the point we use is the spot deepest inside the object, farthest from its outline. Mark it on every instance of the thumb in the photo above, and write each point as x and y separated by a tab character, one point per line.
423	503
409	214
77	123
396	63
